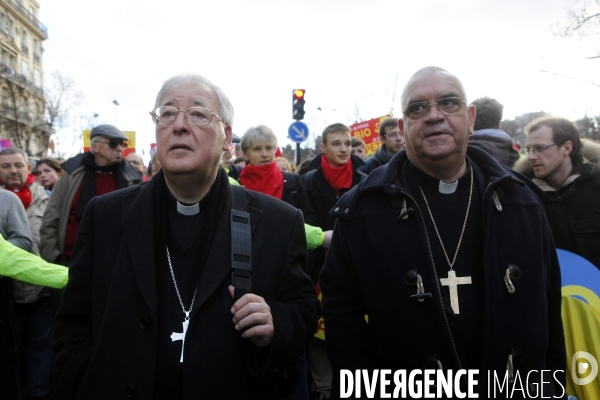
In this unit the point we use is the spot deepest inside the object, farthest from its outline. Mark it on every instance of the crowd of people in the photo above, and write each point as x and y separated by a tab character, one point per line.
215	269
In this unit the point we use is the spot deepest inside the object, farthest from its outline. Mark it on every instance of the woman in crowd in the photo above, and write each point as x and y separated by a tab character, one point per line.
283	164
262	174
48	170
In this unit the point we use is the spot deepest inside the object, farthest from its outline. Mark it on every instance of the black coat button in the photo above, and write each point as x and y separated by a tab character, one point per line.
144	322
130	391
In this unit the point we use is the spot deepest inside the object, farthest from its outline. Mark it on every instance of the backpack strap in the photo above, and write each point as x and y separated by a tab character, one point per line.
241	243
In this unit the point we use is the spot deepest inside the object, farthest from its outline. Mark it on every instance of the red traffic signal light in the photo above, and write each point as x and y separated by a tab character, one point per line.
298	104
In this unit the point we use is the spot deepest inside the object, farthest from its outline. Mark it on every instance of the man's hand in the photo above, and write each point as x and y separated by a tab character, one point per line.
326	239
252	314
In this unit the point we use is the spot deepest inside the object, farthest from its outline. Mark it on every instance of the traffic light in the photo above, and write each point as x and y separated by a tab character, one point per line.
298	104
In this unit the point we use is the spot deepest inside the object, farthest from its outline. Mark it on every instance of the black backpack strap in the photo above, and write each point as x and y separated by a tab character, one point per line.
241	243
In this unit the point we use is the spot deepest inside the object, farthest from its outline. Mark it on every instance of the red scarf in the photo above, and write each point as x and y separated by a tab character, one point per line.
338	178
267	179
24	193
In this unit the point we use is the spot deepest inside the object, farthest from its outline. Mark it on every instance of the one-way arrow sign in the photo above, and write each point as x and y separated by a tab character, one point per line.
298	131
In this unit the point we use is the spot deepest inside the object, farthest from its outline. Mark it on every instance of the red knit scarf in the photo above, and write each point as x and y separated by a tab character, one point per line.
338	178
23	192
267	179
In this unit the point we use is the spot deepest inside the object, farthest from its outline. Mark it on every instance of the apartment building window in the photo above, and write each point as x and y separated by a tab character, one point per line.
3	24
25	69
24	47
36	51
37	81
11	29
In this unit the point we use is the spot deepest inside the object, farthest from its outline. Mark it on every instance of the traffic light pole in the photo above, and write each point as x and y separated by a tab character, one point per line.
298	156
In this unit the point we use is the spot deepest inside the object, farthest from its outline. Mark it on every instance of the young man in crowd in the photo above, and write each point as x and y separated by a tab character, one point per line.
334	173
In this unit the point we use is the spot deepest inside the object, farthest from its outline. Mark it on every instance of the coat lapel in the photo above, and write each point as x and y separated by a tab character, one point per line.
218	263
138	228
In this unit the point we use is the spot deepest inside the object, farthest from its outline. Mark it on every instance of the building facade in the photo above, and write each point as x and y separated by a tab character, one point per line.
21	77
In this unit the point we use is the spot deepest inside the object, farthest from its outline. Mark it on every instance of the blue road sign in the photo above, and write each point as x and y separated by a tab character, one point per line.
298	131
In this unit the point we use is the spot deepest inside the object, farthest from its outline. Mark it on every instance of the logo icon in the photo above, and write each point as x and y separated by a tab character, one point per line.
579	368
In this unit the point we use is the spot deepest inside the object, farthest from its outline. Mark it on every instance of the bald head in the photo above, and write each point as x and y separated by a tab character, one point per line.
136	162
422	73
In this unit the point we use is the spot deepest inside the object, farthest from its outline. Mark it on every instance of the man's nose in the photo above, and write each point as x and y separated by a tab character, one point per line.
180	122
433	114
531	155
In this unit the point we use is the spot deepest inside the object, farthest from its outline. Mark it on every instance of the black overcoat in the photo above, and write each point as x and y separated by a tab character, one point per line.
373	248
106	334
322	199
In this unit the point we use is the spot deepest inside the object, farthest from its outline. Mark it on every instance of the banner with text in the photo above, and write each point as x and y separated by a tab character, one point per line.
369	132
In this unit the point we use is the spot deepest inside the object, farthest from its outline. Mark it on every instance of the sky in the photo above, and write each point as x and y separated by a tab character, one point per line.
352	57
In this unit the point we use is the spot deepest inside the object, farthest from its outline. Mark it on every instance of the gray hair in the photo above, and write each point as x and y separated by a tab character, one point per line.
426	71
94	140
15	150
226	110
260	131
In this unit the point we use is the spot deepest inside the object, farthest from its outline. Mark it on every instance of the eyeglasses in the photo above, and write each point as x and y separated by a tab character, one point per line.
538	148
114	143
447	106
198	116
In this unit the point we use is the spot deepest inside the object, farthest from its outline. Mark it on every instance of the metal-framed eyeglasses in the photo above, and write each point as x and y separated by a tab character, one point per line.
538	148
113	144
446	105
198	116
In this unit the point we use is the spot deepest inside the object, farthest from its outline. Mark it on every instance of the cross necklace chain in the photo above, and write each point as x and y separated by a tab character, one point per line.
176	335
452	281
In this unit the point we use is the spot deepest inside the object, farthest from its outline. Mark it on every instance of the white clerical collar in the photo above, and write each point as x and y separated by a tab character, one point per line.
188	210
448	188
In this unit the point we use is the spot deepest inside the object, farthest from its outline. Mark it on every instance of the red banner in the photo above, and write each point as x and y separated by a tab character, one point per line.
369	132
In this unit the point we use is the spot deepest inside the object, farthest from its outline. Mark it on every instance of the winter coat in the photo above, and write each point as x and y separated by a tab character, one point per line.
322	199
13	221
54	225
26	292
21	265
497	144
106	331
380	158
574	210
380	235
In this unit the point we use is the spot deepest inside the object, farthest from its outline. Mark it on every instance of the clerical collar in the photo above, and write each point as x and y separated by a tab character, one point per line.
441	186
188	210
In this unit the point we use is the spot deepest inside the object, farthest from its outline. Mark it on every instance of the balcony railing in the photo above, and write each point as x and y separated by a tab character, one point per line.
25	12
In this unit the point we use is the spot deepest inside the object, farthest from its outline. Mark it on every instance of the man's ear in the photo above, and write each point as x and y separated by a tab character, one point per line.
322	147
29	168
228	137
568	147
472	112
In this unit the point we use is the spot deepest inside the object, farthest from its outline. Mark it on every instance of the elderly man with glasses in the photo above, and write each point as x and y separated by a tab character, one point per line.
392	141
186	287
101	170
450	255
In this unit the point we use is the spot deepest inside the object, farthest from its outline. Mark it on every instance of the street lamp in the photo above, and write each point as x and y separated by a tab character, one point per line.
116	103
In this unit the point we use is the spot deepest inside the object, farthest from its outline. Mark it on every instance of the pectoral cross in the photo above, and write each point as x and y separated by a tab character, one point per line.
181	336
452	282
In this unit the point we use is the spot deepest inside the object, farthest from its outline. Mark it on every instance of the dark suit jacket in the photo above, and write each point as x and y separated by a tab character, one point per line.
106	334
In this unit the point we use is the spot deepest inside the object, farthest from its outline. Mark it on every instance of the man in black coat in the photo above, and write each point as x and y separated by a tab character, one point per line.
153	308
567	169
450	255
392	141
334	173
